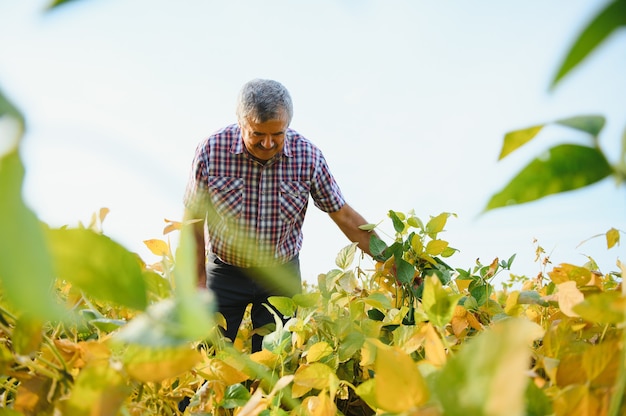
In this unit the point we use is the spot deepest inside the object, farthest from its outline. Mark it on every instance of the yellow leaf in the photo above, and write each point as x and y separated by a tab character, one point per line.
568	272
416	244
312	376
569	296
319	405
318	351
149	364
612	238
219	370
436	247
433	346
157	247
398	391
266	357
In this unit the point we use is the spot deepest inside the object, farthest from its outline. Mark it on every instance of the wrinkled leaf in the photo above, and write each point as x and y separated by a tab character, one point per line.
606	22
565	167
346	256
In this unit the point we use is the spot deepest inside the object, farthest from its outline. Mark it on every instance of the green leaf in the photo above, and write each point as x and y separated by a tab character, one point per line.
588	124
368	227
471	383
377	246
350	345
516	139
99	266
566	167
405	271
607	21
55	3
398	225
26	271
286	306
438	304
236	395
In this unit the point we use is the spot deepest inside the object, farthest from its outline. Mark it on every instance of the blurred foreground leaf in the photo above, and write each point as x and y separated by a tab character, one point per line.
26	272
564	168
488	375
99	266
606	22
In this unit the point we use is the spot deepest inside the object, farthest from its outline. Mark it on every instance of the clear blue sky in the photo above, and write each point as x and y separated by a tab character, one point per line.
409	101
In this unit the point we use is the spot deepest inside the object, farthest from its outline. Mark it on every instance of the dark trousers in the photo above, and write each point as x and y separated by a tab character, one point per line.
236	287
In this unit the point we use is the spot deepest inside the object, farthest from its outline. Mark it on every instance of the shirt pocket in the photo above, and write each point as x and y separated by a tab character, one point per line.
293	198
226	195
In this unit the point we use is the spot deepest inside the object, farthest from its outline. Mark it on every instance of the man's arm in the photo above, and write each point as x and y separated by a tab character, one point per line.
348	221
198	233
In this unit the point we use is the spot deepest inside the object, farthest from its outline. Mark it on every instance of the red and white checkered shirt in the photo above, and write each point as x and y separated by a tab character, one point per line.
255	211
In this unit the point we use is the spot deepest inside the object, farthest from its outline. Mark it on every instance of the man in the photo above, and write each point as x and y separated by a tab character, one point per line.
249	187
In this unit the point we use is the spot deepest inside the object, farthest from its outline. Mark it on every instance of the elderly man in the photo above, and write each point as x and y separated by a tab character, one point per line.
249	185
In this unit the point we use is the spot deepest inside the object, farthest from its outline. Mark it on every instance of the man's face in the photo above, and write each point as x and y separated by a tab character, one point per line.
264	140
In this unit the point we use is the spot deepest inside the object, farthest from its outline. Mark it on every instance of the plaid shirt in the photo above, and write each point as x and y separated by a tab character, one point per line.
254	212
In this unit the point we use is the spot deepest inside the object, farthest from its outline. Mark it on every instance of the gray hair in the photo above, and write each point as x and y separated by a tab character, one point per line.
263	100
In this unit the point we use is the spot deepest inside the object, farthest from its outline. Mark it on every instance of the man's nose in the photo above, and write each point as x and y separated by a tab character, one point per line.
267	142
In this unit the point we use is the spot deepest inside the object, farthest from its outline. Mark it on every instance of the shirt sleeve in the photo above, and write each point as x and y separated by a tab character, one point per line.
325	191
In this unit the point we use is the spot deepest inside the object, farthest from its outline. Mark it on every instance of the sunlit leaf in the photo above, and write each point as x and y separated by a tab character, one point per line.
26	271
436	224
312	376
149	364
99	266
568	297
568	272
488	375
516	139
318	351
564	168
219	370
588	124
606	22
612	238
306	300
99	390
367	391
398	391
157	247
345	257
436	247
286	306
438	304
